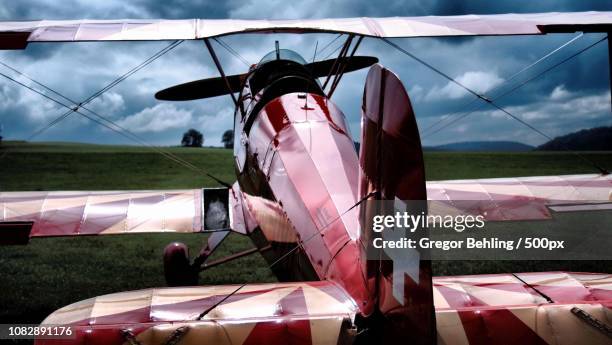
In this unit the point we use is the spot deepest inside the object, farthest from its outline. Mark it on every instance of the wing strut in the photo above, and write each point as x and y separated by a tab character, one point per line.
232	257
342	53
220	68
340	73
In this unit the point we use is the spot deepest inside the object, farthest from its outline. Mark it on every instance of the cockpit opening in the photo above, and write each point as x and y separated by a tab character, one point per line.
282	54
282	71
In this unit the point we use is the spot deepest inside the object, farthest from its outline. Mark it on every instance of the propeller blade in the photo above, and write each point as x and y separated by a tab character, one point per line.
321	68
202	88
211	87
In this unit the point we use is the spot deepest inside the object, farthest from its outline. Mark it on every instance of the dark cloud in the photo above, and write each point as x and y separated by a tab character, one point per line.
79	69
489	7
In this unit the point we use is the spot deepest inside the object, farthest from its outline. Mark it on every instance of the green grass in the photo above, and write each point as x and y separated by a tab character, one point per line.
465	165
50	273
65	166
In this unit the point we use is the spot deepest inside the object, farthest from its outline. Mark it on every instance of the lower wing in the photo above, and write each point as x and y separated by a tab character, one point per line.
520	198
42	214
482	309
278	313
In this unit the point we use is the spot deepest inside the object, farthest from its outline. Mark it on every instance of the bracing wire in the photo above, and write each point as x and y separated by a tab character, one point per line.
293	250
518	86
314	56
232	51
322	229
489	101
114	127
329	44
133	70
101	120
96	94
333	52
530	126
431	67
99	92
506	82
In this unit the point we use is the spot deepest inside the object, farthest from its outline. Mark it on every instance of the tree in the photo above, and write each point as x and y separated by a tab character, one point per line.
192	138
228	139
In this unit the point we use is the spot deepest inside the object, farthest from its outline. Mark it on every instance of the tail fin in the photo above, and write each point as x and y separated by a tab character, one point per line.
391	160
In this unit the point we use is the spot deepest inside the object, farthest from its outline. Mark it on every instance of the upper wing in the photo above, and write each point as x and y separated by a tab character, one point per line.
17	34
41	214
521	198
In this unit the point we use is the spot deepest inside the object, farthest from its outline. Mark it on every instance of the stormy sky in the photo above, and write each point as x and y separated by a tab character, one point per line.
573	96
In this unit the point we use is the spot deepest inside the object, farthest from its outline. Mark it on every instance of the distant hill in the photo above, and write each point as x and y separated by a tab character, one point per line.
594	139
496	146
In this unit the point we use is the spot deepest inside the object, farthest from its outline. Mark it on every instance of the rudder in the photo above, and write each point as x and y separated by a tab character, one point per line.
391	162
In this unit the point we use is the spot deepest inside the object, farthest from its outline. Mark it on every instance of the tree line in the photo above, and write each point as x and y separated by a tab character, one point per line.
195	138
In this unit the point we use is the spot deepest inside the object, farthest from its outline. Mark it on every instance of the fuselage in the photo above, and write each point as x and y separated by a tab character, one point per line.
293	148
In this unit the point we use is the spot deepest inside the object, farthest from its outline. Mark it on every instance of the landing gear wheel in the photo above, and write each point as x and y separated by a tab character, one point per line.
177	269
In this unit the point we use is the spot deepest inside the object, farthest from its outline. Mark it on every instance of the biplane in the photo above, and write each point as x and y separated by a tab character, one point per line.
299	192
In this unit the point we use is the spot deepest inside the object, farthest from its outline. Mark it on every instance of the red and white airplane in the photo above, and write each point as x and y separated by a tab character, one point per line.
299	193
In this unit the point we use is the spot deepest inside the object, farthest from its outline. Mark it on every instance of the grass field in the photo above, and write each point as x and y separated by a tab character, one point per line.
50	273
